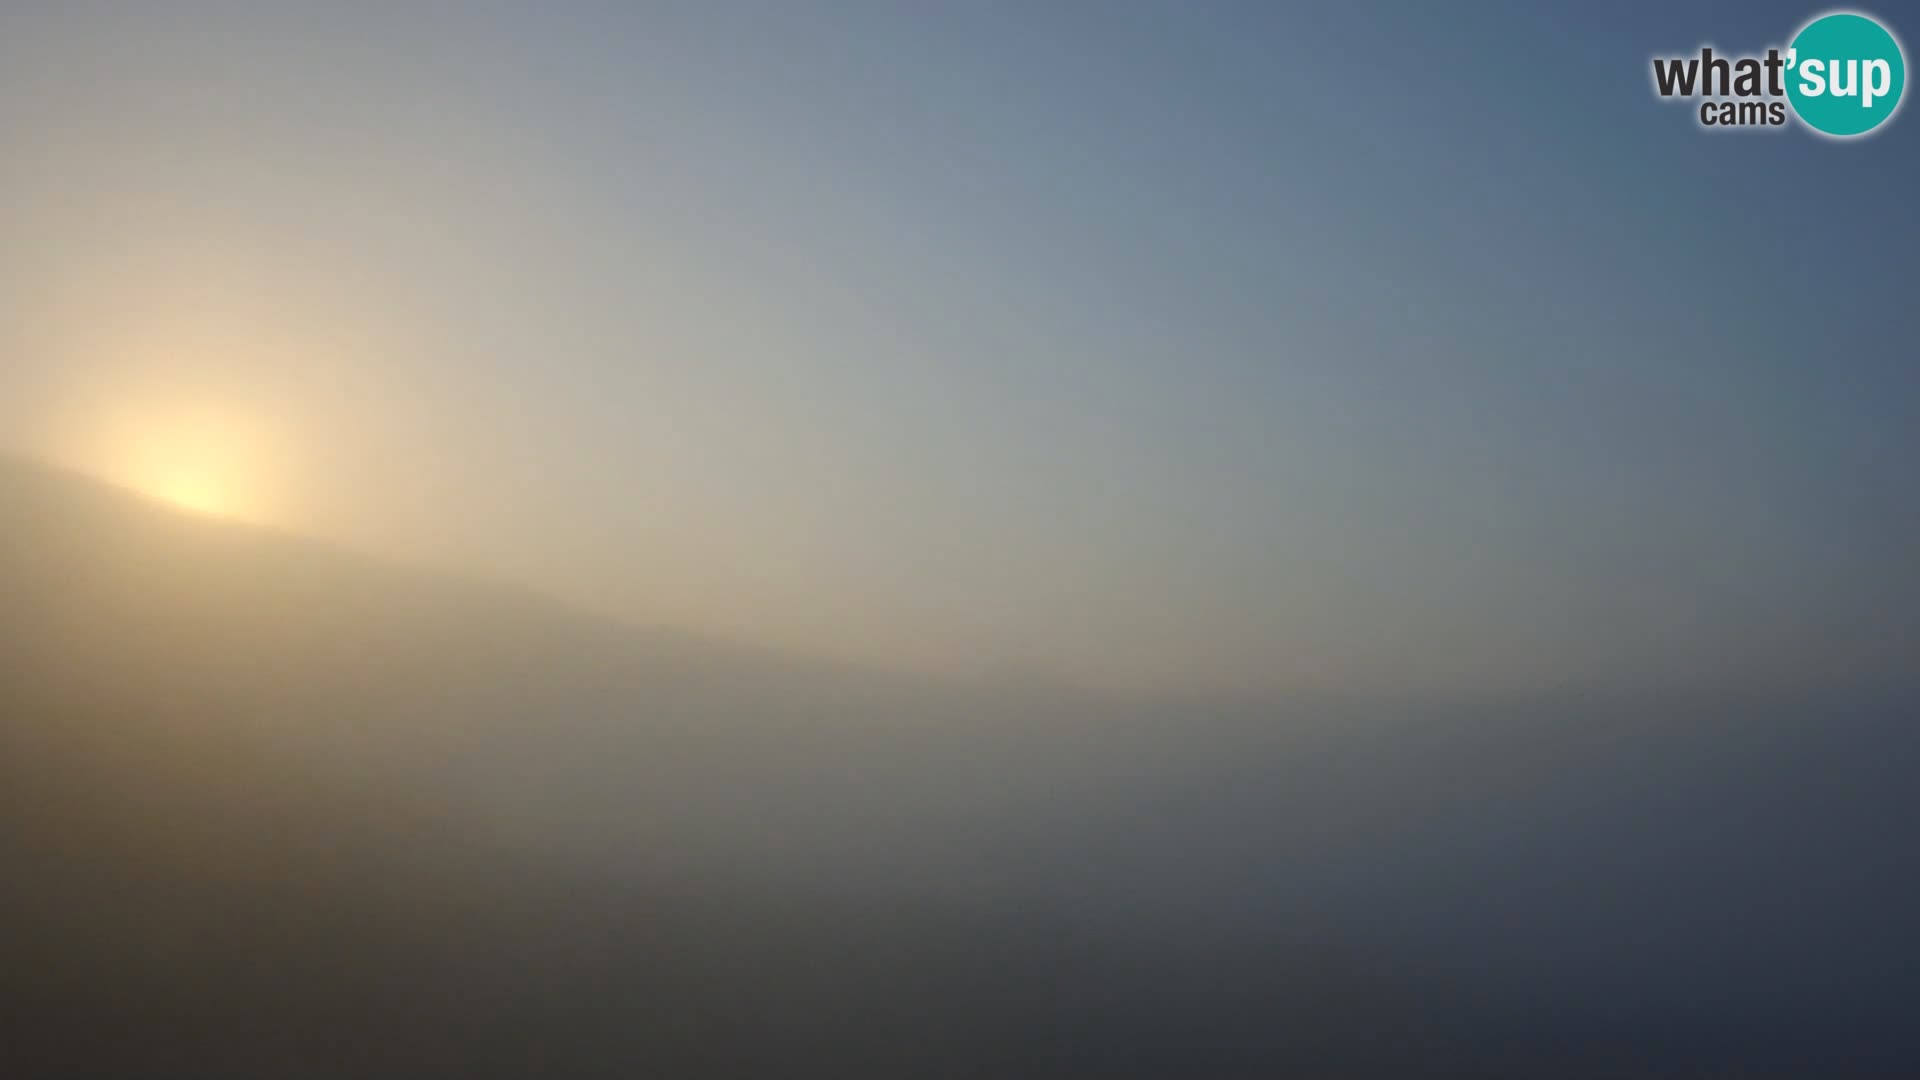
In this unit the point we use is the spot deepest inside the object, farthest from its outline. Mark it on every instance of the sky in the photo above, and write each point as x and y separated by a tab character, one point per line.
1198	348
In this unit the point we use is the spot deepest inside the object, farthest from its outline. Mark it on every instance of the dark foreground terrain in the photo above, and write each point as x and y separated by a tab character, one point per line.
271	810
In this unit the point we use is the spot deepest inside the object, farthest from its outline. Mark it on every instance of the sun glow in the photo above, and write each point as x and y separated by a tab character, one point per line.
191	492
198	460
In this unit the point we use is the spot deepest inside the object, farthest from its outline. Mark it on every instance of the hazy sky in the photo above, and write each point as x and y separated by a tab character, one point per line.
1209	347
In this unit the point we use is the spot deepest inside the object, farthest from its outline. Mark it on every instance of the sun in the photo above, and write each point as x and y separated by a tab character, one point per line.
202	460
190	492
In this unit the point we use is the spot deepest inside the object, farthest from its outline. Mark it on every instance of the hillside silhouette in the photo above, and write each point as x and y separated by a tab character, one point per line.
269	808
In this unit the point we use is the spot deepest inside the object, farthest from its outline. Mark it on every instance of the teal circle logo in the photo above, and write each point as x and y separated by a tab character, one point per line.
1845	73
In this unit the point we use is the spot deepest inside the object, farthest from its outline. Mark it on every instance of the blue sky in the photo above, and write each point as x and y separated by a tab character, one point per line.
1221	347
